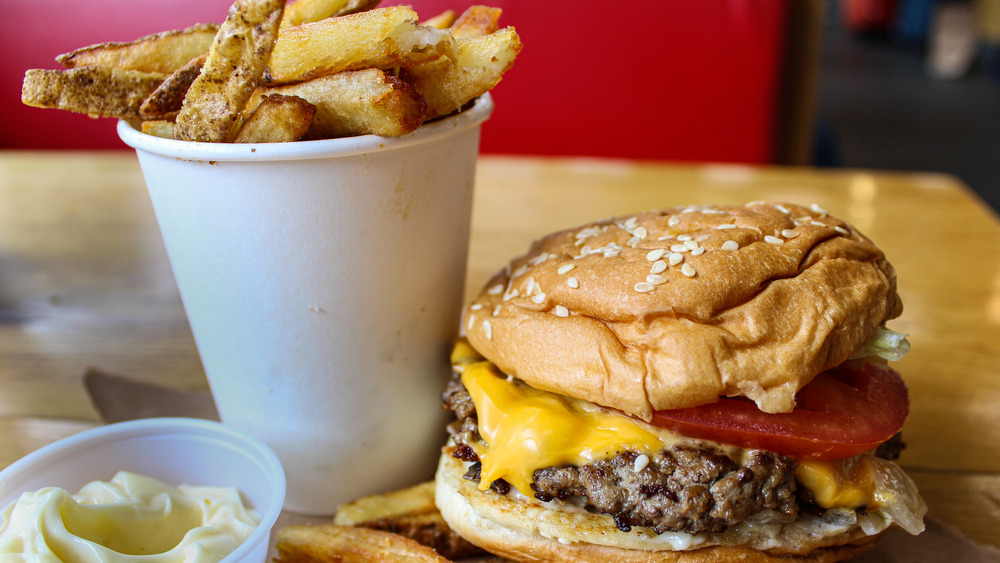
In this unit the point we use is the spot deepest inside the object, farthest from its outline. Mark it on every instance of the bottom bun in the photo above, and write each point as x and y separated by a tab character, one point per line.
524	529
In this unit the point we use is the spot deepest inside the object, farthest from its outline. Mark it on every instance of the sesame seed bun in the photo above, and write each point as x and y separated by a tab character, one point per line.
675	308
531	531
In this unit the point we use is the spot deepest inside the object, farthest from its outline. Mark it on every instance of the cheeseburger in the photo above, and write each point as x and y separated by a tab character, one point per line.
692	384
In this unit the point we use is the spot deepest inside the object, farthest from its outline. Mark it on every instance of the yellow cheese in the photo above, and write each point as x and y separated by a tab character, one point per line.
843	483
528	429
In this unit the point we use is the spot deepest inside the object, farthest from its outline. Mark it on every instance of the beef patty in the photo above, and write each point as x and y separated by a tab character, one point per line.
682	488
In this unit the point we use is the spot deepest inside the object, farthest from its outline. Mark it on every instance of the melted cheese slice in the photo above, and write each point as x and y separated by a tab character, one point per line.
528	429
844	483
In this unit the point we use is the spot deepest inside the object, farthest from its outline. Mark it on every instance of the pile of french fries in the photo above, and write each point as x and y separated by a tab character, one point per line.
394	527
313	69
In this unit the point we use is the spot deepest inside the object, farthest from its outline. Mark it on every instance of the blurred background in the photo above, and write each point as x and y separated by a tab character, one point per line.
882	84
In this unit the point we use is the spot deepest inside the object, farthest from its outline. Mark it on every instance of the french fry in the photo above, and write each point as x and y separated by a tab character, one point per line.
305	11
476	21
411	513
277	119
159	128
330	543
168	97
382	38
444	20
480	63
359	102
234	67
94	90
161	52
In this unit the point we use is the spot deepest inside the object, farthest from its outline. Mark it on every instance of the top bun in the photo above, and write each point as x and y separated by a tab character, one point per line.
675	308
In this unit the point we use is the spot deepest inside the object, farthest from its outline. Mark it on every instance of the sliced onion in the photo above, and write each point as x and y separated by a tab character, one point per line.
898	496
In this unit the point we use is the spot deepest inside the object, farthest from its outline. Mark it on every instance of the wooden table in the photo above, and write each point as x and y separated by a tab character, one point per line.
85	282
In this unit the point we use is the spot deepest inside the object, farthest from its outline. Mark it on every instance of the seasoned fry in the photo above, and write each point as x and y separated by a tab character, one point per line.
235	64
277	119
96	91
161	52
358	70
168	98
360	102
480	64
476	21
382	38
159	128
411	513
417	499
330	543
305	11
444	20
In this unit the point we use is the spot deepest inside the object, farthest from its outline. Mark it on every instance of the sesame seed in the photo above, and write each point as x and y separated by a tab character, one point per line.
561	311
817	223
539	298
655	279
640	232
727	226
511	294
538	259
683	238
641	461
730	245
612	252
585	251
691	244
573	283
687	270
476	306
842	230
655	255
495	290
815	207
520	271
565	269
676	258
673	221
701	238
496	310
644	287
783	209
773	240
679	248
788	233
664	237
712	211
472	319
631	223
633	242
531	287
698	251
658	267
488	330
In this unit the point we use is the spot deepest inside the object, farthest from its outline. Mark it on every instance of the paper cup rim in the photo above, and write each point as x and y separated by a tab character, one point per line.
301	150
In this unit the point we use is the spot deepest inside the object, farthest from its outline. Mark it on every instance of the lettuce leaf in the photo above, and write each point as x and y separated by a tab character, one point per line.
885	343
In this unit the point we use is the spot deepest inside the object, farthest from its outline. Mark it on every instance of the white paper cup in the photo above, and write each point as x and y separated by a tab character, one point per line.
323	282
176	451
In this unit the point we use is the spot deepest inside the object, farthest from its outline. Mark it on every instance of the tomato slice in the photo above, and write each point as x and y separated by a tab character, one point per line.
841	413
